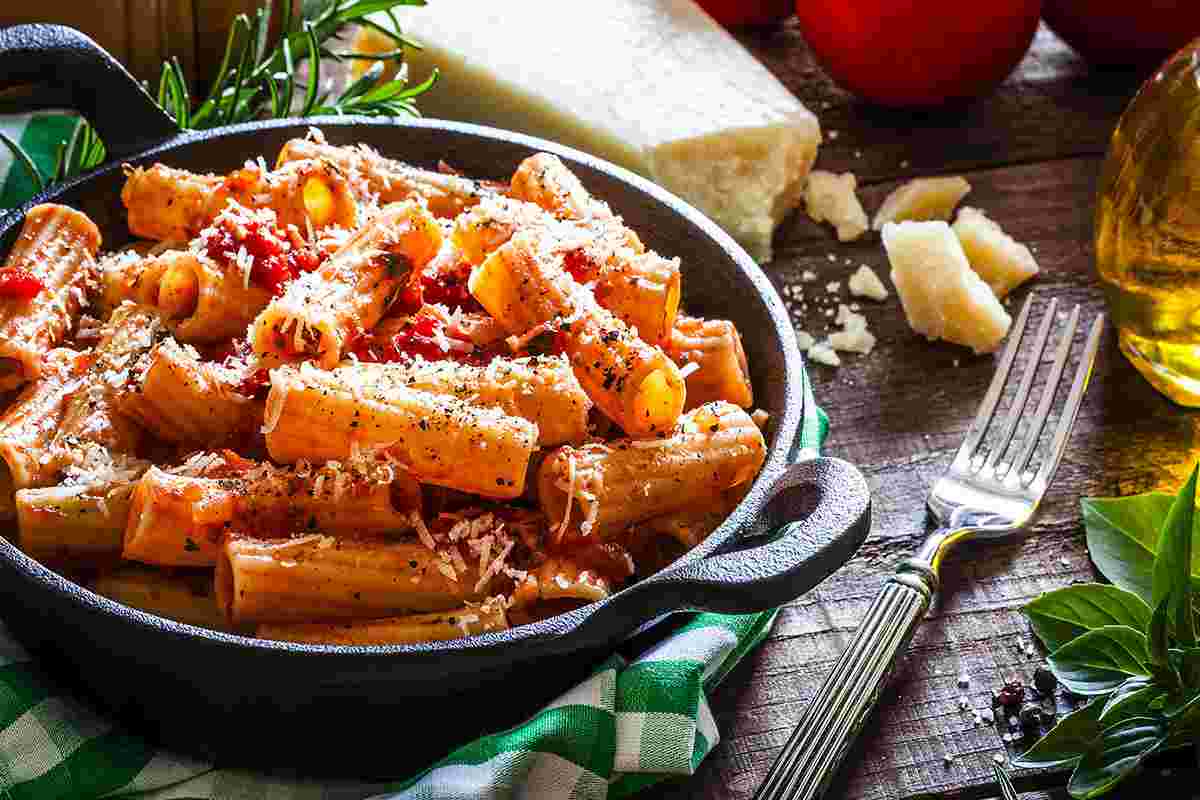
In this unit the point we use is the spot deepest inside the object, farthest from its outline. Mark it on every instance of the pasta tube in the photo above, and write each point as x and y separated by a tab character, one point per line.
130	276
55	253
180	520
642	288
387	181
409	629
174	205
560	578
318	416
184	400
321	578
605	487
27	428
715	348
91	415
320	312
183	597
541	389
74	524
544	180
633	383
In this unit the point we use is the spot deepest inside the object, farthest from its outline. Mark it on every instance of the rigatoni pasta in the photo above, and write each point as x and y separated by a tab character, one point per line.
350	401
179	520
603	488
45	278
316	415
376	179
183	399
320	312
174	205
711	351
525	285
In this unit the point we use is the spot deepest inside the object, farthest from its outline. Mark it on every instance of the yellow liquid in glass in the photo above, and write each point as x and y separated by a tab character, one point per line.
1148	228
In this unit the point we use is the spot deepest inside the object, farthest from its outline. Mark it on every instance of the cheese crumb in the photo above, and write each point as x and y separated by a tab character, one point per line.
922	199
942	297
804	341
822	353
854	336
865	283
1002	261
829	197
833	287
808	276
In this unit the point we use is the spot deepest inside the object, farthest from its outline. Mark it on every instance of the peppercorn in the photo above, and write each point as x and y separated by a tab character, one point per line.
1011	695
1031	717
1045	681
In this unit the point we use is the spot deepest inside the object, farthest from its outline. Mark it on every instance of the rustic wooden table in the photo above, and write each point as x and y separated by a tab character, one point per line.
1032	151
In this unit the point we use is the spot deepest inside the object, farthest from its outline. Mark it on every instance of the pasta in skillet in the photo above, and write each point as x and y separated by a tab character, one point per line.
352	401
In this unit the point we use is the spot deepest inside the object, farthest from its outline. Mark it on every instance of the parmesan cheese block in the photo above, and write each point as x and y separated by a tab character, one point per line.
1002	261
942	297
657	87
830	197
922	199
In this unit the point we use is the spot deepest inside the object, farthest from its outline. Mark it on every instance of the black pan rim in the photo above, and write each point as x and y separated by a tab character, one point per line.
785	429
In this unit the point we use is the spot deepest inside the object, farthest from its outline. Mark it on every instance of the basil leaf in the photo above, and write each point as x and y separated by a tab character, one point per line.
1158	633
1063	614
1134	697
1067	741
1099	660
1122	537
1119	751
1173	565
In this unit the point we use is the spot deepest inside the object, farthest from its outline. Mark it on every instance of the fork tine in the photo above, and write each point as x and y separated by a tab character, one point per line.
1022	397
1021	462
1067	420
990	400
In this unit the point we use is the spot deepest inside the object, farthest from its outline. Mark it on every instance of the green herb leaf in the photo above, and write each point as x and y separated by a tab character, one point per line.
1158	635
1173	563
1134	697
1122	537
1063	614
1067	741
1099	660
1120	750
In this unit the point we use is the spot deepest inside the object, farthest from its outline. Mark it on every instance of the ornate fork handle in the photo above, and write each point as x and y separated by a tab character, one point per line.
841	706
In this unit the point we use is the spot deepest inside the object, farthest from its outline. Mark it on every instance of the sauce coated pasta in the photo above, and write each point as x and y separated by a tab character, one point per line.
346	400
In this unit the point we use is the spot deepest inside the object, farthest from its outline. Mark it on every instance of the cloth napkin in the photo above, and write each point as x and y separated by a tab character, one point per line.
628	726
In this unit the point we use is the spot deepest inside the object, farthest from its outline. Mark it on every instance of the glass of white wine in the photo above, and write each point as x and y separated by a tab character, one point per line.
1148	228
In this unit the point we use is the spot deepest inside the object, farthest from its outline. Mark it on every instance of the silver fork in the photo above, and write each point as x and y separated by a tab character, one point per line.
982	495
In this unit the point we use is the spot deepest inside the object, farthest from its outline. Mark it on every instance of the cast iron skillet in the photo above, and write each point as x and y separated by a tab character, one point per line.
385	710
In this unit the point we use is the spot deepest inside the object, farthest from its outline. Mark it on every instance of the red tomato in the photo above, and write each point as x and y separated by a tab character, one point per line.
19	284
741	13
909	53
1124	33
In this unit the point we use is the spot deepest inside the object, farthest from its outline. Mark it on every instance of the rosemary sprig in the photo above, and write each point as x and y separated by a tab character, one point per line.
257	78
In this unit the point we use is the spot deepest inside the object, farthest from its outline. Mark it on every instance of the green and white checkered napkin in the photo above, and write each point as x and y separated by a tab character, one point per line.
629	726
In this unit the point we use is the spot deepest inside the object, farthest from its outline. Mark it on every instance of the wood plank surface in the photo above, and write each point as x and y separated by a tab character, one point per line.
1032	153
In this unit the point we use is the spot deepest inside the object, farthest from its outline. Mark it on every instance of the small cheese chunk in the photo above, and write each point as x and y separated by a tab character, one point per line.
942	297
657	87
1002	261
854	336
922	199
804	341
822	353
865	283
831	198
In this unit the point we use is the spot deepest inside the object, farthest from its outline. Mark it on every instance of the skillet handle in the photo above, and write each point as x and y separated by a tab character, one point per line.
73	71
819	511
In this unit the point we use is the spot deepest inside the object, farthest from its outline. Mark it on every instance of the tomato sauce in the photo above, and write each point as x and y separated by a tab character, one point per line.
449	288
19	284
275	260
